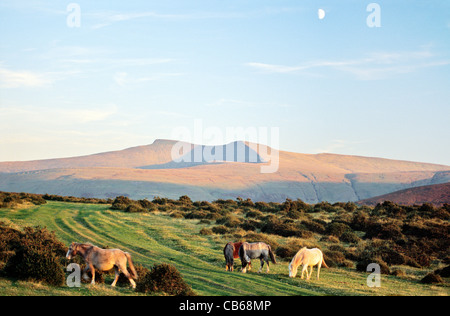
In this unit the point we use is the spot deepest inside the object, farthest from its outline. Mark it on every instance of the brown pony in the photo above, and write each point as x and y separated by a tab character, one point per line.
103	260
231	252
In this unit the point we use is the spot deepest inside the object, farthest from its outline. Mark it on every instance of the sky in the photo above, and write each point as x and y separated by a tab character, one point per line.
345	77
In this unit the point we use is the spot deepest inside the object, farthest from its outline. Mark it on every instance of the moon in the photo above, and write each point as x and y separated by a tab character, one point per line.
321	14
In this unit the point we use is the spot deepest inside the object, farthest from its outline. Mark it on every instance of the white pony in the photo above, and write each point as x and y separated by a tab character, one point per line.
307	257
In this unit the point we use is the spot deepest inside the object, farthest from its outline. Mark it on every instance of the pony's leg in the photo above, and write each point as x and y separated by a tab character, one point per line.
267	262
85	275
318	270
91	267
310	272
116	271
305	268
262	265
123	267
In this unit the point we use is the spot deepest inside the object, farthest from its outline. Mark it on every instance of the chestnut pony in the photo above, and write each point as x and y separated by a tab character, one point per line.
103	260
231	252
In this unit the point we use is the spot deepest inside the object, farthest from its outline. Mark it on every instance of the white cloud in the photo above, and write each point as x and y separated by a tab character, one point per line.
22	78
123	79
375	66
49	116
103	19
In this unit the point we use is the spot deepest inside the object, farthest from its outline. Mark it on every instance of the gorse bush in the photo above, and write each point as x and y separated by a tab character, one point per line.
10	200
163	279
36	264
34	254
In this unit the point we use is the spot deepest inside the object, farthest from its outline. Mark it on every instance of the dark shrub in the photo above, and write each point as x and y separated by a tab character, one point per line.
363	264
34	264
398	273
202	214
185	200
350	237
432	278
383	231
35	254
442	213
337	229
444	272
147	205
294	214
359	221
385	251
254	214
230	221
285	228
120	203
262	206
250	225
315	225
390	209
206	231
221	230
140	270
427	229
285	252
164	279
177	214
324	206
427	208
336	259
133	208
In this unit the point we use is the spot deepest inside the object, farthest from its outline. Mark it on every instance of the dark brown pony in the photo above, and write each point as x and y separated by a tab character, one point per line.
103	260
231	252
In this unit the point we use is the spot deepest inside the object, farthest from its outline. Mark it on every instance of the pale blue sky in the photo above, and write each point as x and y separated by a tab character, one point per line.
136	70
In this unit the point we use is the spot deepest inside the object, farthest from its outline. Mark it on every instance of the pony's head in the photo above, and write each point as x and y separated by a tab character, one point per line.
292	270
296	261
72	250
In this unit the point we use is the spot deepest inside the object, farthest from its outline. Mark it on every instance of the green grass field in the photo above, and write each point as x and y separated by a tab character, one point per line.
154	238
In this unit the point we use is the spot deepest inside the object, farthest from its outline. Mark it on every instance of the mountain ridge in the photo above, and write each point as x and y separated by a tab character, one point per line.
149	170
437	194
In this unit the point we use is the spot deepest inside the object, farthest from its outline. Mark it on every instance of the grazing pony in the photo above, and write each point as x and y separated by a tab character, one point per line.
257	250
307	257
103	260
231	252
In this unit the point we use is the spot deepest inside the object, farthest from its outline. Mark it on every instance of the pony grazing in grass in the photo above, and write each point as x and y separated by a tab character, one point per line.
231	252
257	250
307	257
103	260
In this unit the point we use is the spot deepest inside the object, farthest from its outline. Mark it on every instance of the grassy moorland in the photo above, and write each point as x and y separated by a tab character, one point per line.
192	241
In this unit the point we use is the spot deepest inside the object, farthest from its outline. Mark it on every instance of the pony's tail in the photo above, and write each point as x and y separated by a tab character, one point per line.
272	257
324	264
130	262
228	253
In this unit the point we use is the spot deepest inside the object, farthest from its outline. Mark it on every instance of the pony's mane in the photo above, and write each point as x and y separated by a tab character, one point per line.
85	244
299	255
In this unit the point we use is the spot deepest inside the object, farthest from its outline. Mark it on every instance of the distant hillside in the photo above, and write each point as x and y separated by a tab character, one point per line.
436	194
149	171
157	153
